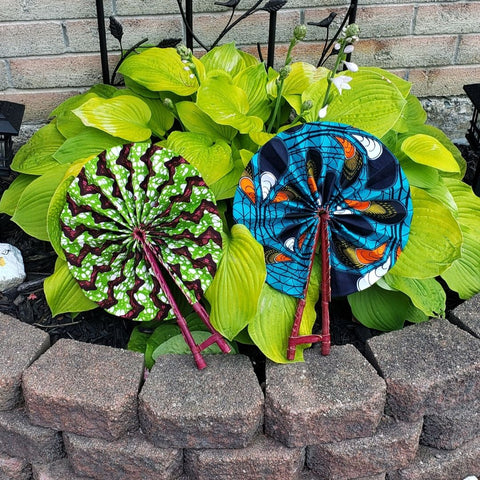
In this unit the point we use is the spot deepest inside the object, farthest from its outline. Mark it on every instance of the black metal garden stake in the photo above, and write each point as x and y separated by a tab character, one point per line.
103	41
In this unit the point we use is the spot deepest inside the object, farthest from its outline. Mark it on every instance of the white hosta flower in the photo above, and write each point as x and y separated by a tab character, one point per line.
342	83
349	49
353	67
323	112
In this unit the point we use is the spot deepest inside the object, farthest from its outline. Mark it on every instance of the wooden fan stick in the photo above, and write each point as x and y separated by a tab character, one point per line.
182	323
295	339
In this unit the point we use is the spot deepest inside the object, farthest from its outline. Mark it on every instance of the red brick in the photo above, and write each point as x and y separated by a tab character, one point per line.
442	81
83	34
20	345
468	49
455	18
39	103
264	459
14	468
83	388
130	458
393	446
18	438
28	38
325	399
58	72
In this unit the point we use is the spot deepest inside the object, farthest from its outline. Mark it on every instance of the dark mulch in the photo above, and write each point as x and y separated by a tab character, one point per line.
27	301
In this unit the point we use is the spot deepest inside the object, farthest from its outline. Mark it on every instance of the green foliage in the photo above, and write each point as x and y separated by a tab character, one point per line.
216	111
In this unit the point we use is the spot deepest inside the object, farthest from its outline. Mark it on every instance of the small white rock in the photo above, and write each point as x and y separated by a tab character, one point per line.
12	270
471	477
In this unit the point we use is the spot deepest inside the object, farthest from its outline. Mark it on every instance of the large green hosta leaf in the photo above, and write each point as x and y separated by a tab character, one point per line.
272	325
124	116
213	159
253	81
197	121
464	274
373	103
36	156
32	208
384	310
88	142
238	282
161	70
426	294
63	293
427	150
227	104
225	57
11	196
434	242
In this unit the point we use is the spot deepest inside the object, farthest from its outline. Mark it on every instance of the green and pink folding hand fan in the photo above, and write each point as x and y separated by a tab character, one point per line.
138	222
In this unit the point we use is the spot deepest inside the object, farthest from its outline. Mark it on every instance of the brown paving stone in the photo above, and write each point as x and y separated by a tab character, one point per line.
326	399
58	470
218	407
14	468
467	315
433	464
263	459
393	446
130	458
429	367
19	438
83	388
20	345
452	428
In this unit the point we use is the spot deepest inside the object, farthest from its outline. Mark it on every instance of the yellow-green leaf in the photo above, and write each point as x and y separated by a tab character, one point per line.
63	293
124	116
427	150
36	156
238	282
434	242
32	208
11	196
161	70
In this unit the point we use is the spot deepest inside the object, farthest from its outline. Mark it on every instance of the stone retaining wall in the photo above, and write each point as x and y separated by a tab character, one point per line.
407	410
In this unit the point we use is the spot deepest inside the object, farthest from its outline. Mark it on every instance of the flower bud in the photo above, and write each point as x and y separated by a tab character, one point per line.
168	103
300	32
307	105
284	72
352	30
184	52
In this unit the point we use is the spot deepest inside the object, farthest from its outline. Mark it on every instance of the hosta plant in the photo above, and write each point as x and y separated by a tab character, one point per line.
217	111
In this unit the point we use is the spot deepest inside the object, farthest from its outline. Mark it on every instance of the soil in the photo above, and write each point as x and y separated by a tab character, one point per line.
27	301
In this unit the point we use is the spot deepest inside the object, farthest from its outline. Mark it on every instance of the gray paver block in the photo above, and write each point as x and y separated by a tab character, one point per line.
309	475
58	470
428	367
452	428
19	438
12	468
264	459
326	399
393	446
467	315
20	345
130	458
433	464
218	407
83	388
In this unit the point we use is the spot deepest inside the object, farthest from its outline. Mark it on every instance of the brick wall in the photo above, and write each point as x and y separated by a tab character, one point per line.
49	48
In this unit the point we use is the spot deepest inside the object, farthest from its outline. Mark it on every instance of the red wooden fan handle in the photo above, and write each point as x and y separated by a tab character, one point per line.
295	339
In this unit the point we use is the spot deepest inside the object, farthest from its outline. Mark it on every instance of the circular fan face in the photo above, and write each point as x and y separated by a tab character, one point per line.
132	189
325	167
